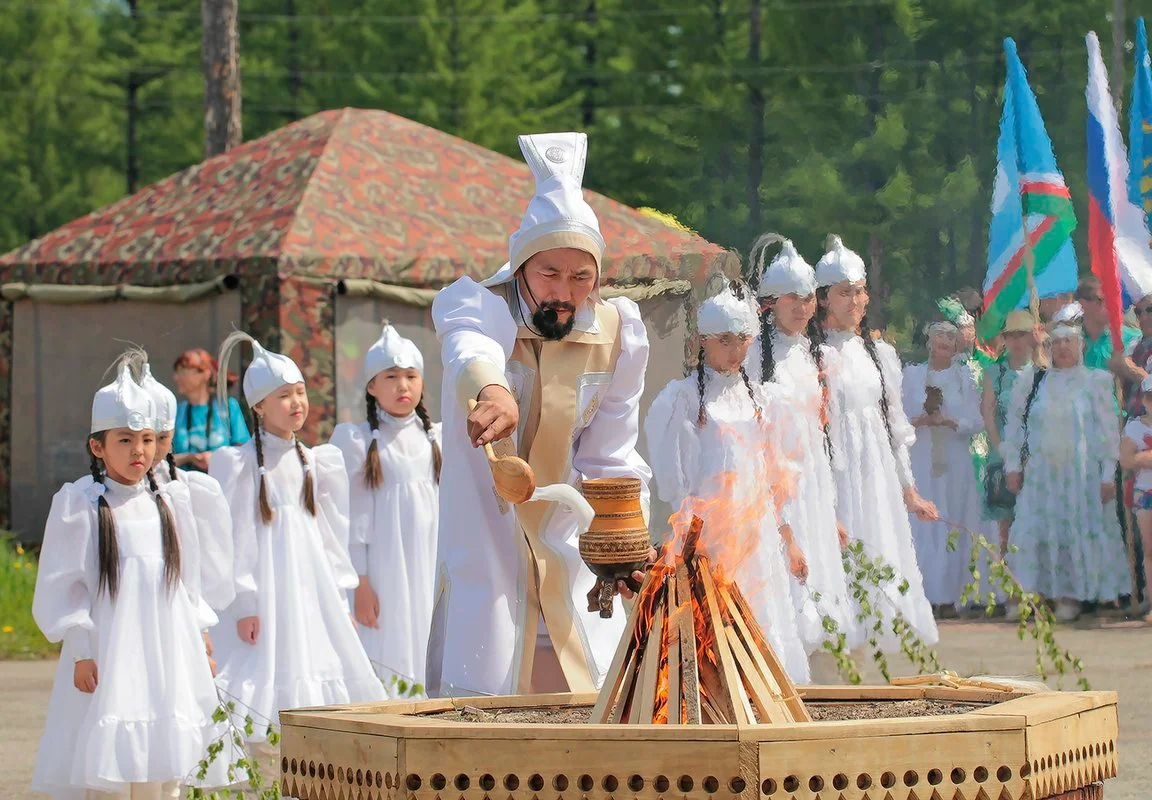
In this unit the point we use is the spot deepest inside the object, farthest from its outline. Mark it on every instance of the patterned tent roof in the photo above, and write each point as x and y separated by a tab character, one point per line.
345	193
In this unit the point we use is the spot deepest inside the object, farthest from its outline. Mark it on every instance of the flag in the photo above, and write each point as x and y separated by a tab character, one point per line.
1140	126
1029	192
1117	232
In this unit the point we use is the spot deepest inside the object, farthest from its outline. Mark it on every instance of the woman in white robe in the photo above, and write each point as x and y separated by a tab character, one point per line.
293	643
794	362
712	458
393	463
1060	450
942	465
875	488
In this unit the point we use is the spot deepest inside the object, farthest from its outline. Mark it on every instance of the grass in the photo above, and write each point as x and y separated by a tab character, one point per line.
19	636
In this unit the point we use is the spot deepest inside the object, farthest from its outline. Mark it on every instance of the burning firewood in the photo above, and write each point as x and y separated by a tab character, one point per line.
694	654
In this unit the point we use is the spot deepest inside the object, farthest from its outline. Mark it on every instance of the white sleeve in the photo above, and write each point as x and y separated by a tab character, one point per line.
234	469
903	434
912	393
1106	445
67	579
214	532
672	445
607	447
1012	446
476	333
332	512
350	439
969	421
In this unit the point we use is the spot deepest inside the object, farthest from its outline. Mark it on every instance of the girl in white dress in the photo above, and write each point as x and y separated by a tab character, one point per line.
942	464
1060	450
131	709
871	435
712	458
293	643
785	354
393	462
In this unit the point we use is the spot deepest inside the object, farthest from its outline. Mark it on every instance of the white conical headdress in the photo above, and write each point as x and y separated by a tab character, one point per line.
122	404
1067	321
558	215
839	264
725	312
788	273
162	398
391	350
267	372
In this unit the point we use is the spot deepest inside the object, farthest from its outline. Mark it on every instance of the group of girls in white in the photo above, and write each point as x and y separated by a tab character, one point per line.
261	584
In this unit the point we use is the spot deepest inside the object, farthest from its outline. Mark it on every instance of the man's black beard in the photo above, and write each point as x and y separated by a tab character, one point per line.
546	320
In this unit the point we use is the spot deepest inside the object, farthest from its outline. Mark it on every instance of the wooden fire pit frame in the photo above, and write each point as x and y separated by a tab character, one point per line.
1023	747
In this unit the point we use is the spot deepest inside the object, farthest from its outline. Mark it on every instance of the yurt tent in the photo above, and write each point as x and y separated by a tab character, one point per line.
307	238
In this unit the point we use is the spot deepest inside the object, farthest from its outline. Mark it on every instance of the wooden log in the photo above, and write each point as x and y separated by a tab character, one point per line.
624	649
674	670
768	707
689	665
726	664
788	689
624	697
650	669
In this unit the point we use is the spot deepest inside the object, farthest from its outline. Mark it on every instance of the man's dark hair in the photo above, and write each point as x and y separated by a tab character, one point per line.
1089	286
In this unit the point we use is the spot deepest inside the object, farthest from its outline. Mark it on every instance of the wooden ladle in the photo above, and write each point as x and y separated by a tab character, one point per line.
513	476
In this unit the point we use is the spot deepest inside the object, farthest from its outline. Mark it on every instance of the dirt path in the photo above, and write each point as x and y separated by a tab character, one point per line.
1117	657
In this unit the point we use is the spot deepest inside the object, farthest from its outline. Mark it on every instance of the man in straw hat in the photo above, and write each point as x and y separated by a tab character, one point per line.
556	374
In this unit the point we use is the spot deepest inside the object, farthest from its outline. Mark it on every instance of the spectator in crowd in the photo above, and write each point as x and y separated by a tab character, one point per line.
1136	365
1099	350
202	425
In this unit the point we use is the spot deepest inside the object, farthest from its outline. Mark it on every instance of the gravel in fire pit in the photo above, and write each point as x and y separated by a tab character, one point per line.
578	715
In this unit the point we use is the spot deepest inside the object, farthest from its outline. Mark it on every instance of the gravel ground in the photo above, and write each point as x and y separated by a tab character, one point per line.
1117	656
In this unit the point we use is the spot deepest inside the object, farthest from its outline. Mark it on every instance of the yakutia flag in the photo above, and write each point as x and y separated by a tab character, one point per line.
1029	198
1117	233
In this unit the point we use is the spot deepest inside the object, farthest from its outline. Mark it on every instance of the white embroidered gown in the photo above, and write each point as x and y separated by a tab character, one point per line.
393	539
1069	541
293	574
942	466
726	473
871	470
213	532
150	718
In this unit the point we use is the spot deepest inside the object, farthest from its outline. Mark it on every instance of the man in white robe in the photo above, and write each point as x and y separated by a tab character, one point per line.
557	375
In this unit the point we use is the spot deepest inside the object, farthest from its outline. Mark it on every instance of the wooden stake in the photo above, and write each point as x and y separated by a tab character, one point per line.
623	651
650	670
771	663
624	696
729	677
767	706
688	645
673	626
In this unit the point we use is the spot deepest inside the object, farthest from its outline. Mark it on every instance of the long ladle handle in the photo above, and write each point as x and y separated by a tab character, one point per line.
488	451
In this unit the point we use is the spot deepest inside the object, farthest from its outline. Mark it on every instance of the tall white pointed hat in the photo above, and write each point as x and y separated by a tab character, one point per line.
728	311
163	400
122	404
788	273
391	350
557	216
266	373
839	264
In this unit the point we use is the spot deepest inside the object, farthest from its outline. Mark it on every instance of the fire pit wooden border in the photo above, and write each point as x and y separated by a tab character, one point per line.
1022	747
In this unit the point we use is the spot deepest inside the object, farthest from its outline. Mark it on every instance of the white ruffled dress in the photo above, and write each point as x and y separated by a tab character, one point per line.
293	574
727	474
393	539
150	718
213	532
871	471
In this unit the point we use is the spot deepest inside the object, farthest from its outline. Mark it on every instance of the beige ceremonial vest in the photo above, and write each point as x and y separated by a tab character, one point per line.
552	371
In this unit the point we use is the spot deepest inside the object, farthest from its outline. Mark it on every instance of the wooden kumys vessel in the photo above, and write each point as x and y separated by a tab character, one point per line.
617	543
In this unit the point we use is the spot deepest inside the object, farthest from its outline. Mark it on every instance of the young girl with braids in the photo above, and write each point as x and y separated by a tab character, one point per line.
130	714
871	435
294	643
787	354
393	462
711	454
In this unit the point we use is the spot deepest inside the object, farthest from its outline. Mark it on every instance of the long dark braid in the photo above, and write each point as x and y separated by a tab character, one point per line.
373	471
170	542
751	394
870	346
767	357
702	415
308	491
171	459
426	421
107	550
262	494
1037	379
816	351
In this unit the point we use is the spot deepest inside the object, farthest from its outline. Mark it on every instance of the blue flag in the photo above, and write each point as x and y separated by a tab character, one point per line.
1140	126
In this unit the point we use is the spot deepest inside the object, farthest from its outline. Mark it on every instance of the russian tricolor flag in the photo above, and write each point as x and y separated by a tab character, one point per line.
1117	233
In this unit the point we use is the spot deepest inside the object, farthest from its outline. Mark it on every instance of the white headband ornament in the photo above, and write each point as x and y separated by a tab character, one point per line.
940	329
727	313
839	264
122	404
788	273
266	373
391	350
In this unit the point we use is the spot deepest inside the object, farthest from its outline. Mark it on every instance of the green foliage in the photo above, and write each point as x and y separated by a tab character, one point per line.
19	636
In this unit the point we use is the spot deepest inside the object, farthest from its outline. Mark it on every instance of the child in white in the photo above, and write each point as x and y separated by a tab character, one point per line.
712	458
787	355
1136	456
131	709
293	643
393	462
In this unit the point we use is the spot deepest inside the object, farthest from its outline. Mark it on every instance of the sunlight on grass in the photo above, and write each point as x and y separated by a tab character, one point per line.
19	636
